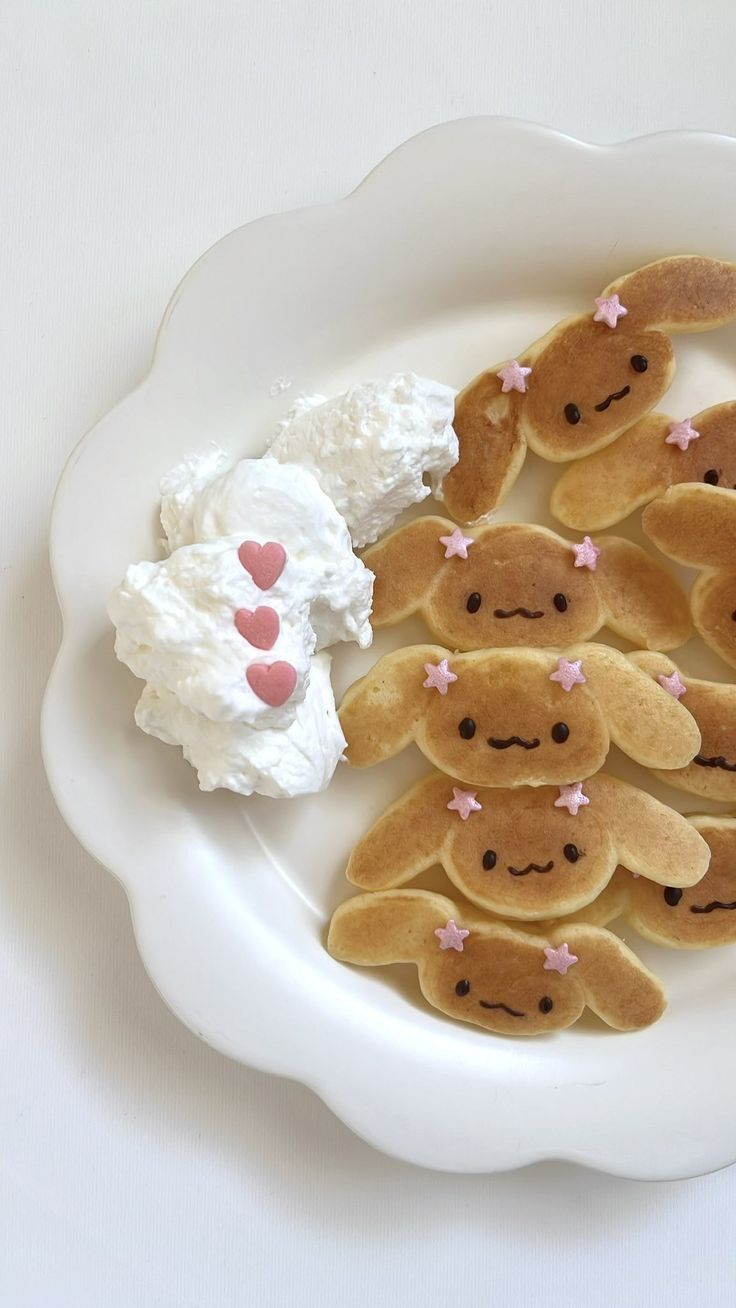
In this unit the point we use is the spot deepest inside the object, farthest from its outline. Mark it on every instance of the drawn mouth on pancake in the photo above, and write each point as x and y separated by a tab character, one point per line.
512	1012
530	867
615	395
714	761
520	613
495	743
711	907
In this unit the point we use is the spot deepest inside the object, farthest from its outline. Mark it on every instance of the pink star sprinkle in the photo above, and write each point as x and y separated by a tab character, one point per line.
672	684
682	434
439	676
451	936
572	798
586	554
569	674
456	544
609	310
559	960
464	802
513	377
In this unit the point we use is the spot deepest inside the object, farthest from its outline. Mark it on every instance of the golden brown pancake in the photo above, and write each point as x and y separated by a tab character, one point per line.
712	773
492	975
506	719
696	917
588	381
696	525
528	853
606	487
515	584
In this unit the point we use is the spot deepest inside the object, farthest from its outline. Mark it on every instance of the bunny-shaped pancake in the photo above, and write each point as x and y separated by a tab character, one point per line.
696	525
698	917
528	854
712	773
656	453
514	584
513	717
584	383
492	975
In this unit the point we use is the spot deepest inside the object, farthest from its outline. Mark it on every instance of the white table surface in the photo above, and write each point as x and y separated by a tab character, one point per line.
138	1169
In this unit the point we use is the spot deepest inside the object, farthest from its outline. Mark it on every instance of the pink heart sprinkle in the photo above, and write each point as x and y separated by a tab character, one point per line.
265	563
272	682
260	627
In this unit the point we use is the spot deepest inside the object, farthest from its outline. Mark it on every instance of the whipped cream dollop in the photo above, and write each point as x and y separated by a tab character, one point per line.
180	488
267	500
371	448
280	762
176	627
225	629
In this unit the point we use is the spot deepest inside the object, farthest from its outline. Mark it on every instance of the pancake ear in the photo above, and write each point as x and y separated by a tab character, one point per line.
406	839
617	986
406	564
646	722
492	449
380	713
651	839
685	293
391	926
654	664
644	602
605	487
694	524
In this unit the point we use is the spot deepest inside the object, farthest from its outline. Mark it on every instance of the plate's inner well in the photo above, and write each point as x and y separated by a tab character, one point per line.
452	351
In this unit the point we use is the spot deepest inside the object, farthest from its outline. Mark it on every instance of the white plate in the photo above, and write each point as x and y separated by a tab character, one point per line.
463	246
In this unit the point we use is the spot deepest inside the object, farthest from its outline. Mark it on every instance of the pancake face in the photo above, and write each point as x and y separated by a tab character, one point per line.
585	382
712	772
696	525
523	858
513	584
606	487
529	589
587	365
528	854
500	983
505	723
515	717
491	975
